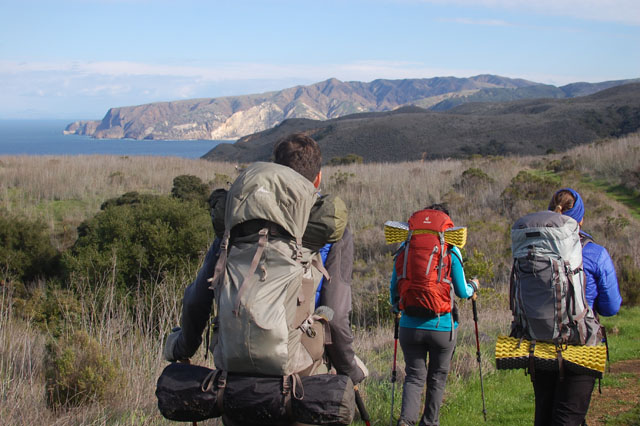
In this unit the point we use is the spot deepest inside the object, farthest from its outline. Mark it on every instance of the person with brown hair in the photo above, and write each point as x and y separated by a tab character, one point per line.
565	400
327	233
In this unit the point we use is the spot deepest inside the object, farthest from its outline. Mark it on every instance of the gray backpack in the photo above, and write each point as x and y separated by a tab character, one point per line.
265	281
547	295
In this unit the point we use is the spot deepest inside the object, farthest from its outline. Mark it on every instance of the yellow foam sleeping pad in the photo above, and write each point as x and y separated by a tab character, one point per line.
397	232
513	353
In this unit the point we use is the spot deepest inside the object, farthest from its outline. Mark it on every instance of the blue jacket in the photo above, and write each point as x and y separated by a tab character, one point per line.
460	287
602	291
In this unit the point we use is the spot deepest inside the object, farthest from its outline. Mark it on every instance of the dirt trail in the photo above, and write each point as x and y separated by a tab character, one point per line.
620	397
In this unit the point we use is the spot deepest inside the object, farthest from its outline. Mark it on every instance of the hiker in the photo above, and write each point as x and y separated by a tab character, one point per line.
428	331
565	400
327	232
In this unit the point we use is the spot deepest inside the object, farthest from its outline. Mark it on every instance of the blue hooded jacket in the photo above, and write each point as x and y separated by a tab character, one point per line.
602	291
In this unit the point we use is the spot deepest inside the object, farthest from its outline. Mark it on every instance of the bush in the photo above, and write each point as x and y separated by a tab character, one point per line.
628	279
340	178
137	239
473	178
347	159
190	188
26	252
564	164
478	265
78	372
50	309
529	186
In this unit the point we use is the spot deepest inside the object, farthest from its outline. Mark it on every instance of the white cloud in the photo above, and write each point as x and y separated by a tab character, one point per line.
484	22
229	71
622	11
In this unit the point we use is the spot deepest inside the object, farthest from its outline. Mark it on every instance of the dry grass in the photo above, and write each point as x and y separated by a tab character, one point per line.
66	190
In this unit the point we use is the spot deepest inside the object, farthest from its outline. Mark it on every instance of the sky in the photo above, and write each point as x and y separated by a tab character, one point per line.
75	59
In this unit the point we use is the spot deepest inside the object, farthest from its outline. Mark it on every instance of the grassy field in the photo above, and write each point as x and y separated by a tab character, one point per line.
484	193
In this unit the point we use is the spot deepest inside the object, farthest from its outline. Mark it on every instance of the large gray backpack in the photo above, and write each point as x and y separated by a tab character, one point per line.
265	281
547	295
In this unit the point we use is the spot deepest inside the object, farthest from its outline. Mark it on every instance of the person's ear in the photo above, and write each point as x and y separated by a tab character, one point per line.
581	220
317	180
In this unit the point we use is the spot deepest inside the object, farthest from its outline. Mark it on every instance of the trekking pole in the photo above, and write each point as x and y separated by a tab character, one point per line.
475	320
364	415
396	326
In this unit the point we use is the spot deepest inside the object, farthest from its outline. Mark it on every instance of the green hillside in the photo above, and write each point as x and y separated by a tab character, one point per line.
504	128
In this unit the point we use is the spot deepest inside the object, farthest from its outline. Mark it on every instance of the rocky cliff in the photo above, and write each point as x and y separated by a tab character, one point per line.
237	116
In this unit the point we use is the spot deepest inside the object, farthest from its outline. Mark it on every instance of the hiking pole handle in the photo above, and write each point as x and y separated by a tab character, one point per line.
364	415
396	333
396	325
475	310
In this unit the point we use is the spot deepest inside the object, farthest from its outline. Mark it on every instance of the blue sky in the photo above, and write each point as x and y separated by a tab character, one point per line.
74	59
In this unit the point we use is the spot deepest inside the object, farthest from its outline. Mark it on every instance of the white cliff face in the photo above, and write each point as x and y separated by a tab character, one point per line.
252	120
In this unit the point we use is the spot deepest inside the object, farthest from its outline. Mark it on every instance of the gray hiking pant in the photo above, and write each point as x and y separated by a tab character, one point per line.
416	344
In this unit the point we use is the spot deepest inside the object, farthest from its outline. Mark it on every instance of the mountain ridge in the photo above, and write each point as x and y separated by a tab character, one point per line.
236	116
529	126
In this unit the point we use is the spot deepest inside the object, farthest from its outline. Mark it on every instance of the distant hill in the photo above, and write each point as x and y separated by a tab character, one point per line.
236	116
529	92
522	127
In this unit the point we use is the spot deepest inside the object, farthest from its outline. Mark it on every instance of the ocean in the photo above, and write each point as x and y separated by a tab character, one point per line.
44	137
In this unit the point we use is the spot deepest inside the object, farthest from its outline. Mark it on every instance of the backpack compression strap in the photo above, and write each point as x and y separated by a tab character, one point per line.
222	261
249	277
406	255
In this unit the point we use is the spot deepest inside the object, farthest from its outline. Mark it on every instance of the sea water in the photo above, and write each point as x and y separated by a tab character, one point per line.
45	137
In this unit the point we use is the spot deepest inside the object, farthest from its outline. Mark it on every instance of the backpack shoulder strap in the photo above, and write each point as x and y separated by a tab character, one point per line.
585	239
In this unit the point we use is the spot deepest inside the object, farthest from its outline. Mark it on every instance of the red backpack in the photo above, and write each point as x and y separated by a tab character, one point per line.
423	266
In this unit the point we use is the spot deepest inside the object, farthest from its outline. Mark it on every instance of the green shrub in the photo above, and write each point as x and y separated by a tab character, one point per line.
347	159
78	372
127	198
138	239
190	188
628	279
529	186
50	309
340	178
478	265
564	164
26	252
473	178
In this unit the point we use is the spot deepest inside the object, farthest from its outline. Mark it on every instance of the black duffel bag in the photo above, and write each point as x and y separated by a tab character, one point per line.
190	393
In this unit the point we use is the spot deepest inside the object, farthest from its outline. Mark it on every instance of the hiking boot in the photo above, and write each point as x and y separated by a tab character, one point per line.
402	422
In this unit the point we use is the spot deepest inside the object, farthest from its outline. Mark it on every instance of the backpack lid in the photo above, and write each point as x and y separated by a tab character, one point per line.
547	232
271	192
434	220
